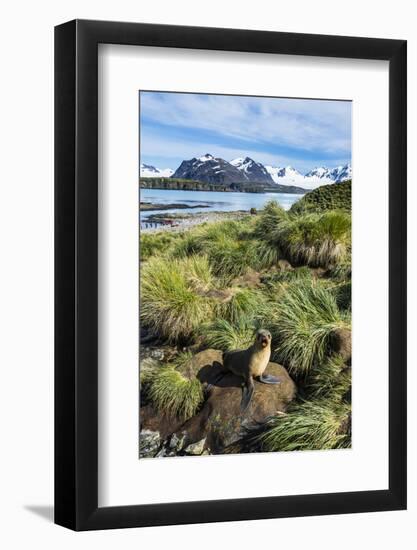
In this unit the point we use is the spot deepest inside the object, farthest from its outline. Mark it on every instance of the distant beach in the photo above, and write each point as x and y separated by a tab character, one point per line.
169	210
183	222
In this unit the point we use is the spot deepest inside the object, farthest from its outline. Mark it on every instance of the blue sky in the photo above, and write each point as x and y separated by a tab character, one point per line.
303	133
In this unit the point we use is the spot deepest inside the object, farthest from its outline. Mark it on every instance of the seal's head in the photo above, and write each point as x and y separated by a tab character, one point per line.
263	338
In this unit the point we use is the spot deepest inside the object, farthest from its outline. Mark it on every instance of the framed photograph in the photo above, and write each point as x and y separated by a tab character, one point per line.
230	247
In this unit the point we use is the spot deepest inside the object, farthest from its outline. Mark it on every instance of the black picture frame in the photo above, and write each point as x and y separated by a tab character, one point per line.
76	272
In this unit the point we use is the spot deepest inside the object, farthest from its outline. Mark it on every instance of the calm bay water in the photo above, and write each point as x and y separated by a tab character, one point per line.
215	201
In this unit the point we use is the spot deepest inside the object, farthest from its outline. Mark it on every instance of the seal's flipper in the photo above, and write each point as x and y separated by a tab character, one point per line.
246	397
215	381
269	379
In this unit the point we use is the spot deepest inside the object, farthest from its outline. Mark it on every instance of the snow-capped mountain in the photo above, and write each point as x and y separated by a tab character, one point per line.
341	173
338	174
312	179
251	170
319	172
211	169
216	170
289	173
286	176
148	171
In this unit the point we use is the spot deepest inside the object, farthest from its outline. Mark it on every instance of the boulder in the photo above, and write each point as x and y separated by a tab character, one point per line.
220	419
200	362
341	343
219	426
153	420
196	448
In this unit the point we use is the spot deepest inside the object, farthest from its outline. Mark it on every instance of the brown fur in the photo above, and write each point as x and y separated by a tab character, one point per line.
251	362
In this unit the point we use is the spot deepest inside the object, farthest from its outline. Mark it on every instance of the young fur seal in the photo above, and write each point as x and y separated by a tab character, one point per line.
250	364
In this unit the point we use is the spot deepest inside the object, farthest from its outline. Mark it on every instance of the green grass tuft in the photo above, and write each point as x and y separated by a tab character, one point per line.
226	336
227	245
304	317
147	371
242	303
288	276
152	244
266	255
341	271
271	215
173	296
330	380
304	238
317	240
310	425
173	394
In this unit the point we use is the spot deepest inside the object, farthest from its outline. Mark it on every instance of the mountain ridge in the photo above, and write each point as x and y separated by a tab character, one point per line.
215	170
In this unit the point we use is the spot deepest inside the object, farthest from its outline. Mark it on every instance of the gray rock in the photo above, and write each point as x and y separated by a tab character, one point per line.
196	448
157	354
165	451
177	442
149	443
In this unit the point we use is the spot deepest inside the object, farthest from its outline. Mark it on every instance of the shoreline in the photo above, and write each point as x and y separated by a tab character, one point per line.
145	206
183	222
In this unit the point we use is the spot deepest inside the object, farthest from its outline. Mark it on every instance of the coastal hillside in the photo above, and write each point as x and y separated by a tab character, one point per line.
196	185
327	197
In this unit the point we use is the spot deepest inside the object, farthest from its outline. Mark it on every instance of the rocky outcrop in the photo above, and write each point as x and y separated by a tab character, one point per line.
149	443
219	426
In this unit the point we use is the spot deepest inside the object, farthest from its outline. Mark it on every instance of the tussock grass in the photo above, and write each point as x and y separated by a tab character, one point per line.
181	359
226	336
341	271
188	245
227	246
243	302
152	244
147	371
317	240
303	319
173	394
343	295
266	255
270	217
331	379
173	299
197	271
231	258
305	238
288	276
310	425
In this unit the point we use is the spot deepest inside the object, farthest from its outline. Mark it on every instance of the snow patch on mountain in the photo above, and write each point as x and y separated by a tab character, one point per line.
316	177
149	171
252	170
206	158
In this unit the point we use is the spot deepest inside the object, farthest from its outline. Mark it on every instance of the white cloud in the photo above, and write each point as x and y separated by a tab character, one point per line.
304	124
